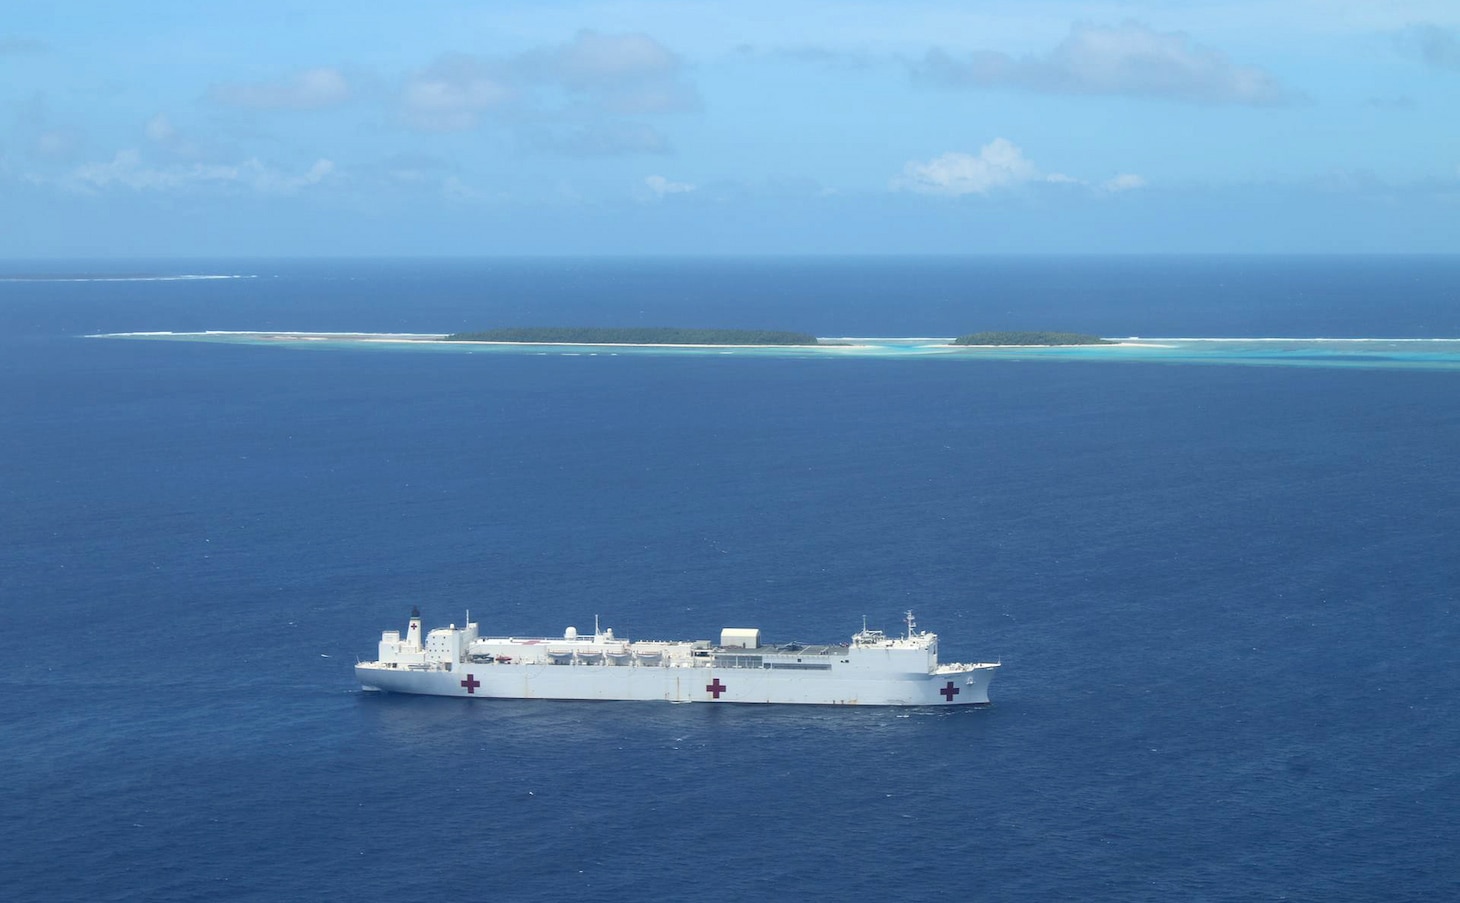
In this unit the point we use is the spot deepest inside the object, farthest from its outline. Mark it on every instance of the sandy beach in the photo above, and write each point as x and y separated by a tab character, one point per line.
829	343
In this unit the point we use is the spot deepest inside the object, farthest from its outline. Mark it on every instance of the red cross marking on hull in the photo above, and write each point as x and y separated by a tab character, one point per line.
471	683
715	688
949	691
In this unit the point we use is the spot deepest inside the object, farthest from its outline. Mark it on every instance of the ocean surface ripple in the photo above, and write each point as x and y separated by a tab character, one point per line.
1224	596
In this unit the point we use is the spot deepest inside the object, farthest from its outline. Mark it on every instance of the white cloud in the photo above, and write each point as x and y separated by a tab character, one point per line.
127	170
320	170
454	189
162	135
413	169
999	164
310	89
587	85
452	94
592	59
1129	59
160	131
660	186
630	74
1126	181
42	137
56	144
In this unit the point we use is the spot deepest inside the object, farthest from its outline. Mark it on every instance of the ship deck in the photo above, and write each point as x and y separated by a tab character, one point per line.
786	649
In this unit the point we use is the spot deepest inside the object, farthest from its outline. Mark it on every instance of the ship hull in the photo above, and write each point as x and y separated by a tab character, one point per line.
955	685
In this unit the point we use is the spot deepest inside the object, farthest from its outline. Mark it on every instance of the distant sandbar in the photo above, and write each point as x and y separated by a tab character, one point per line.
1348	353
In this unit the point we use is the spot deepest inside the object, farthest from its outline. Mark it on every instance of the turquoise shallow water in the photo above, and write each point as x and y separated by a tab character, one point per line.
1367	354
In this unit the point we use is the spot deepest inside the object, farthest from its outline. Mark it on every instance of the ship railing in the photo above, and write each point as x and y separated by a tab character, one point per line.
960	667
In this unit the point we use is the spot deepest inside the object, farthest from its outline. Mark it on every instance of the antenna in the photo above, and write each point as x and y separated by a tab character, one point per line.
910	623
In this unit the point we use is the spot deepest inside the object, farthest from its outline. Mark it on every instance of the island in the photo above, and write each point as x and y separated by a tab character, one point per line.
1030	338
1370	353
632	335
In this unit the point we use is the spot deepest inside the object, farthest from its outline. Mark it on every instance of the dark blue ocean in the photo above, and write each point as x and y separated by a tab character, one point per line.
1225	597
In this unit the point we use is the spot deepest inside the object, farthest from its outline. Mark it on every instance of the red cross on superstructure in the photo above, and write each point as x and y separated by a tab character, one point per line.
715	688
471	683
949	691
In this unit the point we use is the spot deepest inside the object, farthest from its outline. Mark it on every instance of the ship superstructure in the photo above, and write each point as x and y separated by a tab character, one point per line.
872	669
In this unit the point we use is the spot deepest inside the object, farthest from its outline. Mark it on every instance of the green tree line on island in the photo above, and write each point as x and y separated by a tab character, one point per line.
1030	338
633	335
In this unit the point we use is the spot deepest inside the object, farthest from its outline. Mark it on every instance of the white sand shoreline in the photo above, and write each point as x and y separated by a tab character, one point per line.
830	343
889	346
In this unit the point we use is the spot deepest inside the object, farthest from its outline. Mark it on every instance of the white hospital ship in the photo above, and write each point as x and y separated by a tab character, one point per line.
872	669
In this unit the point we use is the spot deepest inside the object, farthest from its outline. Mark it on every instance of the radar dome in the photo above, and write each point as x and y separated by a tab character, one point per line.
570	634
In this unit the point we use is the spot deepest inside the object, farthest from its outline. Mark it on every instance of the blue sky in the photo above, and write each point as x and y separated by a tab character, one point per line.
638	127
